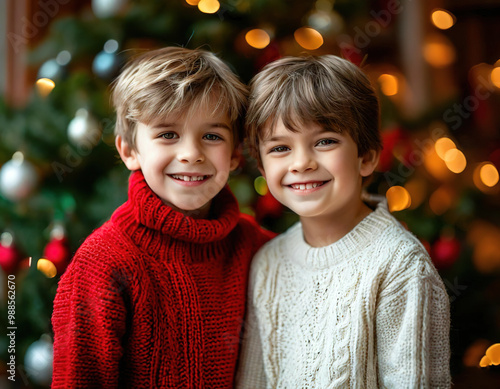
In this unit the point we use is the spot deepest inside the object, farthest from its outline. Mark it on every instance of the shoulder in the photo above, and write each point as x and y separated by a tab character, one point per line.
106	252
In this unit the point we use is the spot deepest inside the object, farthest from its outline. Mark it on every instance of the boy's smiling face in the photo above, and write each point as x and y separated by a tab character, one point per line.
314	172
185	159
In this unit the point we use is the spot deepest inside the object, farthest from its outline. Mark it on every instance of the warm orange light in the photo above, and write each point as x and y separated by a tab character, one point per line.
45	86
398	198
417	188
436	165
388	84
441	200
489	174
438	51
46	267
485	361
192	2
443	145
308	38
442	19
257	38
495	77
208	6
493	353
455	160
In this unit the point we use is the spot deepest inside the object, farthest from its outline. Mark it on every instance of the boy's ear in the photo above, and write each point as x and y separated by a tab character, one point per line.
235	159
128	155
369	162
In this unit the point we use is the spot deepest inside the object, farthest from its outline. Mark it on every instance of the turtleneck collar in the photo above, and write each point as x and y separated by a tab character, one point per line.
145	208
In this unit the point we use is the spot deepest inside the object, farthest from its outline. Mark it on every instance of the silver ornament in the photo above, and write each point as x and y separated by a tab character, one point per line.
84	129
38	361
107	8
18	178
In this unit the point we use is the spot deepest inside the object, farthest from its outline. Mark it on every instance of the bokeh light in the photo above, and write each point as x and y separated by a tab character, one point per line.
417	188
46	267
260	186
443	145
388	84
455	160
439	51
308	38
257	38
435	165
442	19
441	200
45	86
493	353
489	174
192	2
495	77
209	6
398	198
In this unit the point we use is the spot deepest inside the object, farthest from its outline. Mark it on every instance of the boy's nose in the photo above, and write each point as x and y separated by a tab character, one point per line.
190	153
302	161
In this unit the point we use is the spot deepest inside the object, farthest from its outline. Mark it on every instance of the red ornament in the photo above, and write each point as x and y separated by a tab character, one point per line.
9	254
445	252
57	250
268	206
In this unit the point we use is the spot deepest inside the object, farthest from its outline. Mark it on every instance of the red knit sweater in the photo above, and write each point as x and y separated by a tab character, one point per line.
155	299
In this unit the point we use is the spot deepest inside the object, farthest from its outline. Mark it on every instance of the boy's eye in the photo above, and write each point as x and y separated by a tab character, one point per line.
327	142
212	137
279	149
169	135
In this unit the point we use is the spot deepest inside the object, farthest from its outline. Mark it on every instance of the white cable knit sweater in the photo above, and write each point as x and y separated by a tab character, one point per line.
368	311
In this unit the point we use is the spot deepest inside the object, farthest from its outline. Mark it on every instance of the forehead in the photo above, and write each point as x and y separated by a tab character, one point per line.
283	127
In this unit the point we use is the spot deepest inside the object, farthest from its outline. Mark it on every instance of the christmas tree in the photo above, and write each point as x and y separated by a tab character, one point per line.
60	175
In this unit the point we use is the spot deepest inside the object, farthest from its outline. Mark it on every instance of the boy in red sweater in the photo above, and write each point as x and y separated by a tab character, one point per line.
155	297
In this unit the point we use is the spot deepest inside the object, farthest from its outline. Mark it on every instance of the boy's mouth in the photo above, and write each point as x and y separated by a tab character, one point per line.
307	185
185	178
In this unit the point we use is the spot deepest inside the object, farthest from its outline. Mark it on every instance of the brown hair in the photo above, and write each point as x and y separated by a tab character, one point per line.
175	80
326	90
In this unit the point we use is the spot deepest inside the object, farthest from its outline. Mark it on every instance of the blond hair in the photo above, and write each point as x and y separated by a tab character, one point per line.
326	90
175	80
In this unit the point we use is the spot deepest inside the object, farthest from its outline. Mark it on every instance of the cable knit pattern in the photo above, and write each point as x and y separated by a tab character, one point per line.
155	299
368	311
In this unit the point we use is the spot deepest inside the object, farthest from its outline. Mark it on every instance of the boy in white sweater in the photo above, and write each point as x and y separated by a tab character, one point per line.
346	298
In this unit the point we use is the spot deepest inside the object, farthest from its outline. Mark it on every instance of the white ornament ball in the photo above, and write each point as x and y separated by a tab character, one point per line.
38	361
106	8
18	178
84	129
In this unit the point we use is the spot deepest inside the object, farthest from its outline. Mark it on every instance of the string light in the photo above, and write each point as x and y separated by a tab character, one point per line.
443	145
208	6
308	38
495	77
438	51
443	19
388	84
398	198
45	86
455	160
257	38
46	267
488	174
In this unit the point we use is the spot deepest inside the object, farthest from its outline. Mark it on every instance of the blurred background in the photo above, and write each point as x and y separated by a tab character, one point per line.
435	65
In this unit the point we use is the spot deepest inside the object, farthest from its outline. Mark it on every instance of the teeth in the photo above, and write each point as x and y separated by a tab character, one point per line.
306	186
188	178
